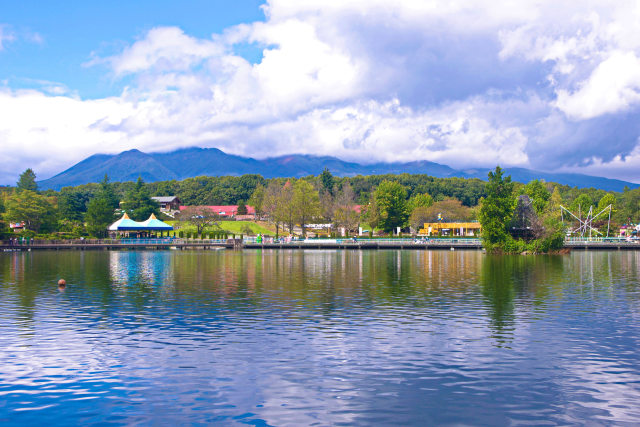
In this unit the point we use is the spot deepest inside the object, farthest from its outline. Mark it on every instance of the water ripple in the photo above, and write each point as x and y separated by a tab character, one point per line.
319	338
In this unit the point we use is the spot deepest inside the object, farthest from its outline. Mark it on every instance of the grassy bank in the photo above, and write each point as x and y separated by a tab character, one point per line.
231	227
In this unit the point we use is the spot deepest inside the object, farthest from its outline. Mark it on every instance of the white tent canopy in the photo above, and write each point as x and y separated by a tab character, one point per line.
127	224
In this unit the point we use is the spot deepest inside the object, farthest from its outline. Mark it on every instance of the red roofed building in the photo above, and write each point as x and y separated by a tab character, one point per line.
227	211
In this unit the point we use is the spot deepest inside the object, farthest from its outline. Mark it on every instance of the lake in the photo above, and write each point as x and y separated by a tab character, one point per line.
293	337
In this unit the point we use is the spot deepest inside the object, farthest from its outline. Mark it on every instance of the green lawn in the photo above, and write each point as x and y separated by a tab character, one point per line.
231	227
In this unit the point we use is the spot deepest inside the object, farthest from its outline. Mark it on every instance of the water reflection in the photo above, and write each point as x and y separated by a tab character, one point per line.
319	337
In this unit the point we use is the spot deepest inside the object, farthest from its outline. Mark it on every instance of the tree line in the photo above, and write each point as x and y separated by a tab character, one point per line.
377	202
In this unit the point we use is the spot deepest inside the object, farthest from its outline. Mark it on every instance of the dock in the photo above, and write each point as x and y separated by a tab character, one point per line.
327	244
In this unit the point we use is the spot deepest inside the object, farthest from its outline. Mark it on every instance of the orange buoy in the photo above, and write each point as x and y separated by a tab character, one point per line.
62	282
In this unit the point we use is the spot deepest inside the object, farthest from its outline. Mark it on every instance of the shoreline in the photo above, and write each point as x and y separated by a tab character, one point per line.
237	244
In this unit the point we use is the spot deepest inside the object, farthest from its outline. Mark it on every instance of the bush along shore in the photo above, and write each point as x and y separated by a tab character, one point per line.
515	223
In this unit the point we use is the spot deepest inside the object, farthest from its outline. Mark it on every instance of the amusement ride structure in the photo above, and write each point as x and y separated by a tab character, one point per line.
585	224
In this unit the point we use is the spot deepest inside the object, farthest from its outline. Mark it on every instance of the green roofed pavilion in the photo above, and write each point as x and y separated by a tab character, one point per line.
155	224
129	227
125	223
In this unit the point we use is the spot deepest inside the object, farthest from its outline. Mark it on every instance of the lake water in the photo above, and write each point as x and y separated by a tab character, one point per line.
289	337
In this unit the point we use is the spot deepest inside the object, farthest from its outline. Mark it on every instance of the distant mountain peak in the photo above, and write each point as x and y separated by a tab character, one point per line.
196	161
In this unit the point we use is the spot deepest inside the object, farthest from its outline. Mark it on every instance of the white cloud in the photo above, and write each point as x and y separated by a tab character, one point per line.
6	35
517	83
165	49
613	86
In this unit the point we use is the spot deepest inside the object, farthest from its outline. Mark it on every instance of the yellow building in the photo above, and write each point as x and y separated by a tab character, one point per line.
459	229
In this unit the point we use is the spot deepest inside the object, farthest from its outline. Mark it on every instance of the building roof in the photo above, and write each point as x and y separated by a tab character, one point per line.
165	199
154	223
124	223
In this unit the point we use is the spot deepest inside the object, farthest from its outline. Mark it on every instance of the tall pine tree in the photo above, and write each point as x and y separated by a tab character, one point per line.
497	209
101	210
138	204
27	181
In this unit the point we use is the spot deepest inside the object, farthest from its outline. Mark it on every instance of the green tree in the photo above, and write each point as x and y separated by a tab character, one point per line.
306	203
419	200
538	193
629	211
372	214
391	202
108	193
101	209
555	201
72	203
580	206
257	199
99	216
242	208
27	181
138	204
34	209
327	180
606	200
3	225
496	209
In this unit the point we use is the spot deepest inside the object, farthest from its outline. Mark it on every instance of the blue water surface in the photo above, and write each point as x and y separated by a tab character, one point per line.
288	337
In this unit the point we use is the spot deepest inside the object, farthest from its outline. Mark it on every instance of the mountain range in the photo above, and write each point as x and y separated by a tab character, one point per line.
192	162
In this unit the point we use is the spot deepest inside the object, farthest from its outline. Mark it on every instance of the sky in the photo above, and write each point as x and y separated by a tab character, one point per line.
541	84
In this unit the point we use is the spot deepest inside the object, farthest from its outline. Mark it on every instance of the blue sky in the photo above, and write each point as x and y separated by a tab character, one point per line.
549	85
53	41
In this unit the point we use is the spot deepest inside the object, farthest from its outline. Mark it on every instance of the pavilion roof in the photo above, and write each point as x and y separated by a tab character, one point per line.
126	223
154	223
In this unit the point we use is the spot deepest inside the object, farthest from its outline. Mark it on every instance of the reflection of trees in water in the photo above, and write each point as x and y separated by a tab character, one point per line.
604	273
498	283
318	281
16	281
530	279
140	275
326	280
32	277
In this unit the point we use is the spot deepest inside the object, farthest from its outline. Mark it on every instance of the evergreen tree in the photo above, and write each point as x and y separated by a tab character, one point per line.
107	192
27	181
138	204
101	210
327	181
496	209
72	203
99	216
